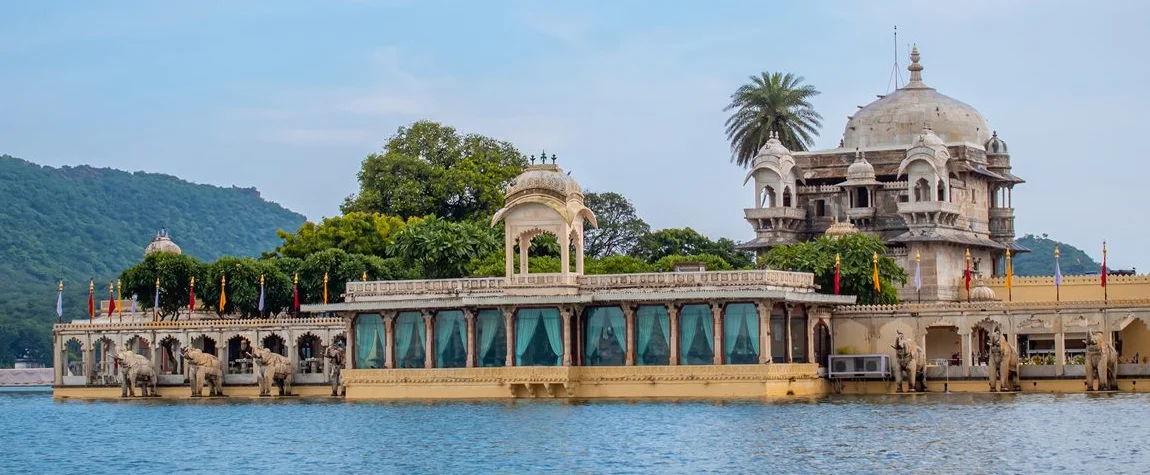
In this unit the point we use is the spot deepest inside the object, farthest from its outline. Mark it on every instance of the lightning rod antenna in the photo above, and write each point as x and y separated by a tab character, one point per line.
895	74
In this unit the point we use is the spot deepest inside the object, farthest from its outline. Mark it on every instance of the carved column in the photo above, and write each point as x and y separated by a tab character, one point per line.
469	317
349	330
57	352
717	333
90	362
1060	353
509	327
523	245
565	314
509	253
967	347
428	339
764	310
629	314
292	349
565	254
389	336
673	317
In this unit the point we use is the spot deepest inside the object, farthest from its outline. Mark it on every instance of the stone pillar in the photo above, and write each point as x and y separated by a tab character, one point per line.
565	255
509	254
59	347
629	314
90	362
293	352
1060	353
509	327
469	317
673	317
579	254
790	337
523	245
967	350
428	339
764	310
717	333
565	314
389	337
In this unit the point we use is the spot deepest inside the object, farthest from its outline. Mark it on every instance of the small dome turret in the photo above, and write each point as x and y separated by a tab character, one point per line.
162	243
982	293
544	177
774	147
996	146
860	170
841	228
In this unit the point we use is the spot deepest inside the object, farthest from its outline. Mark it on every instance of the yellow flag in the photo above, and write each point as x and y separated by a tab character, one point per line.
325	288
877	285
1009	272
223	293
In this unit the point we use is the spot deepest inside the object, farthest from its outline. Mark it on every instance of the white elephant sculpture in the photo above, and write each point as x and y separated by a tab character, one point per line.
336	355
272	367
910	364
1103	359
1003	364
135	370
204	367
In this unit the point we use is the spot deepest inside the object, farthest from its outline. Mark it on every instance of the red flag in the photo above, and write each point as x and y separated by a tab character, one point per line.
91	301
111	301
192	297
295	293
966	274
1104	263
838	272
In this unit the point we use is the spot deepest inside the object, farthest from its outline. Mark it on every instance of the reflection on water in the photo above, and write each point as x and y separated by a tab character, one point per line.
931	433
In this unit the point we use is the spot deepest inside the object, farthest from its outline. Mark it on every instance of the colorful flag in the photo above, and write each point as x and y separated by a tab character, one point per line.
1057	268
111	299
966	274
325	288
119	300
91	300
838	270
295	293
1009	277
261	307
223	293
877	285
192	297
1104	263
917	273
60	300
156	303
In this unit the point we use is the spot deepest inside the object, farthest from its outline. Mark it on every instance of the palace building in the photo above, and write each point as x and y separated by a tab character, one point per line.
917	168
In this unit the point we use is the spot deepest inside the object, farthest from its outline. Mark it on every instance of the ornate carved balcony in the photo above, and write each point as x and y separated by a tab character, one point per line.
860	213
919	214
1001	223
775	213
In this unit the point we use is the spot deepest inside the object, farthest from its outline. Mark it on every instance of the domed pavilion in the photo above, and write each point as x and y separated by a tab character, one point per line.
917	168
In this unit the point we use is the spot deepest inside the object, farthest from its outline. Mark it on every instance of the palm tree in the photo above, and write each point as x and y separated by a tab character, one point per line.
771	102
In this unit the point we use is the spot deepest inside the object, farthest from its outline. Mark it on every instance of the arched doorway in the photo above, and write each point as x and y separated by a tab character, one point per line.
822	343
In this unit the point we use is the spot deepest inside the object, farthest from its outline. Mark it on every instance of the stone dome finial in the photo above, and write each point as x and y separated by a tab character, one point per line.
982	293
915	68
861	171
162	243
995	146
841	228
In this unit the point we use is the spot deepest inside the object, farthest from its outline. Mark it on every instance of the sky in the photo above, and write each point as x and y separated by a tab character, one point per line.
289	96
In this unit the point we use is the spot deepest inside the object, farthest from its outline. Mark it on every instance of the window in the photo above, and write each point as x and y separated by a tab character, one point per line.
605	337
653	335
450	339
369	341
491	338
696	335
741	334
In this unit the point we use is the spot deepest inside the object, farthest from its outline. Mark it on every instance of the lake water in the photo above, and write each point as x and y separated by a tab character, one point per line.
933	433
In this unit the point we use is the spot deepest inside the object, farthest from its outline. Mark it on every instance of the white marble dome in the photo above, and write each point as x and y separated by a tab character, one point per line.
547	177
162	243
982	293
897	118
860	170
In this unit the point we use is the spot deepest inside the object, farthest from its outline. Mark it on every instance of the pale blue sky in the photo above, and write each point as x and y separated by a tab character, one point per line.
289	96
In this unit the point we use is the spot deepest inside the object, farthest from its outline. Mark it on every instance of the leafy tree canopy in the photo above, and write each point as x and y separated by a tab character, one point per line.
430	169
354	232
443	249
771	103
857	253
620	227
686	241
711	261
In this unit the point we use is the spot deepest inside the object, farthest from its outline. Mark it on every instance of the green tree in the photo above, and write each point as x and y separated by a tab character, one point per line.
771	103
686	241
616	265
175	273
243	287
430	169
443	249
856	273
620	227
711	261
354	232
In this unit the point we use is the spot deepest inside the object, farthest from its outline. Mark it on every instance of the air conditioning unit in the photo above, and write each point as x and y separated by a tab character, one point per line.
858	366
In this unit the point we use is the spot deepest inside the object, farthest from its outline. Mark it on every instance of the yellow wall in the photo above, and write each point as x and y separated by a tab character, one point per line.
1135	340
1074	288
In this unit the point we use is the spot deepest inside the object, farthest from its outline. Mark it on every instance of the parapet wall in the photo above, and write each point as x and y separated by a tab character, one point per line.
1073	288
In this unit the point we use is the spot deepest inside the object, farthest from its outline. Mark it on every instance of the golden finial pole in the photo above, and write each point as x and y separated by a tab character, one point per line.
119	301
325	288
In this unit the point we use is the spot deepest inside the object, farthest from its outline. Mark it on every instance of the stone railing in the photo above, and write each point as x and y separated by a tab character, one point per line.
895	185
166	325
698	279
929	207
978	306
358	290
803	190
543	280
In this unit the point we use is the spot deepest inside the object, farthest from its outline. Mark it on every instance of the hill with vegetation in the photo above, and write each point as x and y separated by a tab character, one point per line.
1040	260
78	223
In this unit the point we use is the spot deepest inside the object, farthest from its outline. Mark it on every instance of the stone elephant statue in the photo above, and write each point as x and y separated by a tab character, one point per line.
1003	365
1101	358
272	367
204	367
336	357
909	364
135	370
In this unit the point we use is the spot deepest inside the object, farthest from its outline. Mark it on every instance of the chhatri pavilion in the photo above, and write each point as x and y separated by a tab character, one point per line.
919	169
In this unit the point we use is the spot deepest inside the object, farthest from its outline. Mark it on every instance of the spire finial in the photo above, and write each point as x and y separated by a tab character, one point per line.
532	159
915	68
552	158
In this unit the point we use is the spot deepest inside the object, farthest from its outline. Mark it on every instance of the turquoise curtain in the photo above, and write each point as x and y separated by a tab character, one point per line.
369	332
740	320
525	322
619	324
596	317
778	335
551	323
489	321
448	325
407	324
691	317
645	319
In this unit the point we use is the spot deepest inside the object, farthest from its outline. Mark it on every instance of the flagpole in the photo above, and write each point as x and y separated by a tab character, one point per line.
917	276
1057	275
119	301
91	300
966	278
156	303
60	302
1009	278
1105	290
